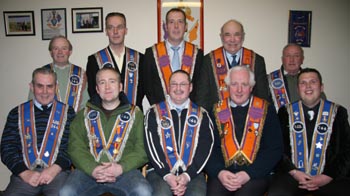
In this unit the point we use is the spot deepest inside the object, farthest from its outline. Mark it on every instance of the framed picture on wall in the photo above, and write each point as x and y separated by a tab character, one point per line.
53	22
194	18
19	23
86	20
299	31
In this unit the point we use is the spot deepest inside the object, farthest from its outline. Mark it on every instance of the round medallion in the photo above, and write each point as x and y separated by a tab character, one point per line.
277	83
298	126
125	117
192	121
165	123
107	64
322	128
132	66
74	79
93	115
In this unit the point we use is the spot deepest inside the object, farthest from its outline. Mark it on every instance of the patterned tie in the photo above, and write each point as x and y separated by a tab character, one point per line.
234	62
176	59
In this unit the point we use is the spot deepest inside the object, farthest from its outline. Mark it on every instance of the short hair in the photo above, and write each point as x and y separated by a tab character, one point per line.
108	69
45	71
59	37
112	14
293	44
235	21
182	72
175	10
240	68
311	70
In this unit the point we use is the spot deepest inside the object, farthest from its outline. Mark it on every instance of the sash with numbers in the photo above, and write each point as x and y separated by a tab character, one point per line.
220	67
47	154
114	147
310	161
74	87
278	88
163	62
245	152
104	58
189	143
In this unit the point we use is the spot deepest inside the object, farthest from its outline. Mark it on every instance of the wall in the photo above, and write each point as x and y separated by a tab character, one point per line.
266	25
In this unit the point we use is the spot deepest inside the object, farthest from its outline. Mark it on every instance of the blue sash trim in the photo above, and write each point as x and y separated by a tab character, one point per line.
132	76
278	89
74	80
28	131
104	57
313	162
190	132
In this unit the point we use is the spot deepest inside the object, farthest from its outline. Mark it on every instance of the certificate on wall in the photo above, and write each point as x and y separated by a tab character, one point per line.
194	17
53	23
299	31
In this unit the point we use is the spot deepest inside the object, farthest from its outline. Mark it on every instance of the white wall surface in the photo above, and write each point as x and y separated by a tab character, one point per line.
265	23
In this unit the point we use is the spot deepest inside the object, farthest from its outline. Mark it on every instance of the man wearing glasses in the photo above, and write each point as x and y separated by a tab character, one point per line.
178	141
125	60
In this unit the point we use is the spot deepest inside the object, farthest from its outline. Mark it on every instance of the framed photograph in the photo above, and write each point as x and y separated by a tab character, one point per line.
86	20
194	18
19	23
53	22
299	31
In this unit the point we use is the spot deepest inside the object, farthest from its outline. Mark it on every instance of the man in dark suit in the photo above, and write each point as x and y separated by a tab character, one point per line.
219	61
316	135
173	54
126	61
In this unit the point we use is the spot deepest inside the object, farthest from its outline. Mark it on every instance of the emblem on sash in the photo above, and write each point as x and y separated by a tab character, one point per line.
125	117
277	83
298	127
107	64
166	123
192	121
74	79
93	115
132	66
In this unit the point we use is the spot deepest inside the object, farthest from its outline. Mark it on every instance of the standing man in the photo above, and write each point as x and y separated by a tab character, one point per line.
248	143
179	139
106	143
126	61
217	63
166	57
316	136
283	81
71	78
35	139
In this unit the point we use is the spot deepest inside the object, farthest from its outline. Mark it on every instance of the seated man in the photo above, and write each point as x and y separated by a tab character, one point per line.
106	144
179	139
35	139
320	162
248	143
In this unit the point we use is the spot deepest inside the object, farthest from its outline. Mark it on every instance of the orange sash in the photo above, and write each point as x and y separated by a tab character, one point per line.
163	62
245	152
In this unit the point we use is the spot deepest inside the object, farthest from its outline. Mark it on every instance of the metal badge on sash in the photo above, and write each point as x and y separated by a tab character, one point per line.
278	89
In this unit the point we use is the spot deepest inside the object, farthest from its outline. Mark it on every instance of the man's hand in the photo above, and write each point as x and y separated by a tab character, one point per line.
48	174
231	181
176	188
107	172
30	177
315	182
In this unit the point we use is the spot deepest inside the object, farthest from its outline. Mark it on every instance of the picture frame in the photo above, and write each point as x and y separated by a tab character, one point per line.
194	18
19	23
87	20
53	22
299	28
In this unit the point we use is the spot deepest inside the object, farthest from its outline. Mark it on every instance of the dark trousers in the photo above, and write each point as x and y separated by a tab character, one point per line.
284	184
256	187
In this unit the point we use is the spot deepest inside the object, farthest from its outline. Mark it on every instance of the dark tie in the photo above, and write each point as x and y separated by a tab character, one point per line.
44	107
233	62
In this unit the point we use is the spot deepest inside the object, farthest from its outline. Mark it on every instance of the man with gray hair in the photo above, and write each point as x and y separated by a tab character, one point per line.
248	143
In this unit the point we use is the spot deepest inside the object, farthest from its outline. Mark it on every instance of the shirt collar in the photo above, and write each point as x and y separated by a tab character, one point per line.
232	104
176	107
39	105
168	44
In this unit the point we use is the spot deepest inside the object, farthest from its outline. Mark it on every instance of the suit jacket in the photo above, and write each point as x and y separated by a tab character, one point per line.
92	68
152	82
207	93
338	150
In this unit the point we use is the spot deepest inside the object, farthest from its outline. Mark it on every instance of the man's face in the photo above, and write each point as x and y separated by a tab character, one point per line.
108	86
43	88
310	89
232	37
116	30
176	27
240	89
292	59
60	51
180	88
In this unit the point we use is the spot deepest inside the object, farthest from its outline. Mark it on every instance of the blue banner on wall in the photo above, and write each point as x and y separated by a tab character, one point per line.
299	31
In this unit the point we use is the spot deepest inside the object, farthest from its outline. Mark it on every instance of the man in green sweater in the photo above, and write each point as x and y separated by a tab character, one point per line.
106	144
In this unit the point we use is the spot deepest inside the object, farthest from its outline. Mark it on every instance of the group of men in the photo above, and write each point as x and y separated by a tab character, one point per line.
212	128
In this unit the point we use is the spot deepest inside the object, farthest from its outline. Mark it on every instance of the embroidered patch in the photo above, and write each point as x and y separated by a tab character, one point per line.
125	117
192	121
322	128
277	83
93	115
165	123
132	66
74	79
298	126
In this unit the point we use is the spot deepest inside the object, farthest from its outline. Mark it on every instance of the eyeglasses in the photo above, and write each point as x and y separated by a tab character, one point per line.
174	85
